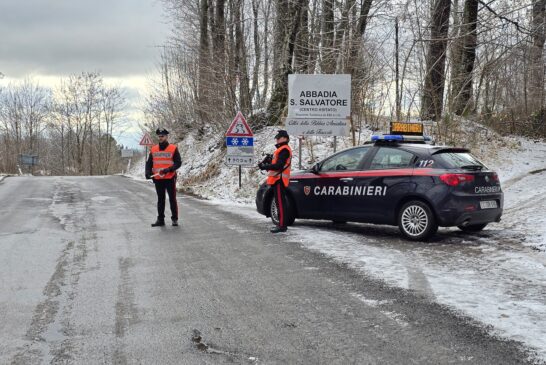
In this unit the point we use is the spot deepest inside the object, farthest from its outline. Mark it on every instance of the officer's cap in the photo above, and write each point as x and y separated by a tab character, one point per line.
161	132
282	133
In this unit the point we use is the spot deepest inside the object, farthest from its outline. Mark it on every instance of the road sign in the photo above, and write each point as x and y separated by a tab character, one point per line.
245	161
319	96
146	140
319	105
28	160
325	127
126	153
239	143
239	127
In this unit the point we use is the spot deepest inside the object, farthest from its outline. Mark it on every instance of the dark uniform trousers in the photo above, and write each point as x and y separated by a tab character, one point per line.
169	186
279	192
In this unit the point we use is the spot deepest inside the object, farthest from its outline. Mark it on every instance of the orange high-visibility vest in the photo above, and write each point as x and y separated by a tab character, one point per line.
163	160
274	176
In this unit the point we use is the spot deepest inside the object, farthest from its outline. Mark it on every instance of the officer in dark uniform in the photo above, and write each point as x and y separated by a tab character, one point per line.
278	176
161	166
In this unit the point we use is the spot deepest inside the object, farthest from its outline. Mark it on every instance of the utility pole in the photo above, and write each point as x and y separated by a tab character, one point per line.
397	70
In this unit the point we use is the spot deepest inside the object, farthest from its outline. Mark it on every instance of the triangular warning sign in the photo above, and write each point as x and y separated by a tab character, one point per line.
146	140
239	127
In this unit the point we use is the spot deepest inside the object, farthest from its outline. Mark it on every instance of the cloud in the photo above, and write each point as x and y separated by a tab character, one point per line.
59	37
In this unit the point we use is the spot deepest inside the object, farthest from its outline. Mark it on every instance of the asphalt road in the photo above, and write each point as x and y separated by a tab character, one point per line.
85	279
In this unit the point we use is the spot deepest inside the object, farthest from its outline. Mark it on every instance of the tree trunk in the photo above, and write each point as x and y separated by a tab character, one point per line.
328	61
536	62
204	56
242	70
433	91
219	66
284	68
464	57
301	52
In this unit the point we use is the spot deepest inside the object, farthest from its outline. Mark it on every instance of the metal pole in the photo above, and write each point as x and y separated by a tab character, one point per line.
335	144
398	103
240	175
300	139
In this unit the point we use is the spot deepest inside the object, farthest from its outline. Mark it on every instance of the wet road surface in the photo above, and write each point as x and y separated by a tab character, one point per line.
85	279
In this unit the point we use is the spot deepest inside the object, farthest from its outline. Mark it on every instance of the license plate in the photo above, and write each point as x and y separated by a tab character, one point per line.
488	204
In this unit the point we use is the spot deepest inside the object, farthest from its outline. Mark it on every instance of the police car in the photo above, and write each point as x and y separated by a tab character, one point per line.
394	180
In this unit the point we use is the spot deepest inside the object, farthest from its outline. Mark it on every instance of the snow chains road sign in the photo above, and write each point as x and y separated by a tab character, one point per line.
240	143
146	140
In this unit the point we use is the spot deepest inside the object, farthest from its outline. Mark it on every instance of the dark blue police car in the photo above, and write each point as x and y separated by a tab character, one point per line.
395	180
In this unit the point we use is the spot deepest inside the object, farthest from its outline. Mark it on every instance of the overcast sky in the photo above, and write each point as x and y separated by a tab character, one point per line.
59	37
47	39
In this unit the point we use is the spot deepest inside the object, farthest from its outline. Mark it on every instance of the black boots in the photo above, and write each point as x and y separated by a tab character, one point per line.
161	223
277	229
158	223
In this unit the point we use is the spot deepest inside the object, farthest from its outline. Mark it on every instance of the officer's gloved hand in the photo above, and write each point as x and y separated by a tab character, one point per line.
262	166
148	176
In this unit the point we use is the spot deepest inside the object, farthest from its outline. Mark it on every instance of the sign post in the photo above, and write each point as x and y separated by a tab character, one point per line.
146	140
240	144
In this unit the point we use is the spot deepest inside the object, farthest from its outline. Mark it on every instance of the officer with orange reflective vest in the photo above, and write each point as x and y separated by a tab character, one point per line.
278	177
161	166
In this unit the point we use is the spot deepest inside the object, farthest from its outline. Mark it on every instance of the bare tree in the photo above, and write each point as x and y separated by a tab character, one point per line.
433	91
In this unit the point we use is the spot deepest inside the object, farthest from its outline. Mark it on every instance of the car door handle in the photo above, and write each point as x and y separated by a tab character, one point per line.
346	179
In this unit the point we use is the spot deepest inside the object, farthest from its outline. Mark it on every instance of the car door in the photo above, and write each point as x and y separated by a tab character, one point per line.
386	177
336	177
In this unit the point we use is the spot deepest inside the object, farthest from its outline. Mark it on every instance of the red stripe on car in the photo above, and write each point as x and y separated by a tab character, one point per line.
371	173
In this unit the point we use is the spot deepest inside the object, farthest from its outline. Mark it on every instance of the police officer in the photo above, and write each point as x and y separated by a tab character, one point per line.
278	176
161	166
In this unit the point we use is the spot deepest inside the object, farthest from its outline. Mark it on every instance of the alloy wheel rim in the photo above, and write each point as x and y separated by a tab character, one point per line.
414	220
274	212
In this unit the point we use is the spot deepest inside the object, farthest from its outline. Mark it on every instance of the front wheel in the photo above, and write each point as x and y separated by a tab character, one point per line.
472	227
416	221
288	211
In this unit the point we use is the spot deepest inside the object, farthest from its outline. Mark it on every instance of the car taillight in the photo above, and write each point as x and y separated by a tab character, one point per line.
456	179
495	177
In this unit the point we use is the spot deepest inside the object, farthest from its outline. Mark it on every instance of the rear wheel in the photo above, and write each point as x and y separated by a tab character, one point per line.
288	211
472	227
416	221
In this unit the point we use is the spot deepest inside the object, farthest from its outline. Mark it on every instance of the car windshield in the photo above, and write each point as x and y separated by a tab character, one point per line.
460	160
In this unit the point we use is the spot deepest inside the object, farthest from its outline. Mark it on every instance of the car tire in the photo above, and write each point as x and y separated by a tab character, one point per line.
416	221
289	211
472	227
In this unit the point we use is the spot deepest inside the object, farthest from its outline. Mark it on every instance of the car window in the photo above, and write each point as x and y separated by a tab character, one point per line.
345	161
459	159
391	158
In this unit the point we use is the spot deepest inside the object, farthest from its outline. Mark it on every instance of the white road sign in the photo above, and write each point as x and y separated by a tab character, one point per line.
126	153
318	127
247	161
319	96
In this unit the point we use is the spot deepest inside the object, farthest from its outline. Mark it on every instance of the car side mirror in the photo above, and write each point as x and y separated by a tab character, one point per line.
315	169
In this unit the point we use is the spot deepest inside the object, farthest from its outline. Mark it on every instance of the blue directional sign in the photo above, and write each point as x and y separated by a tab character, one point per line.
239	141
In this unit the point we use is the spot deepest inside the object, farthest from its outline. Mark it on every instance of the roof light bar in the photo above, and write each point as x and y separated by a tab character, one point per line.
399	137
